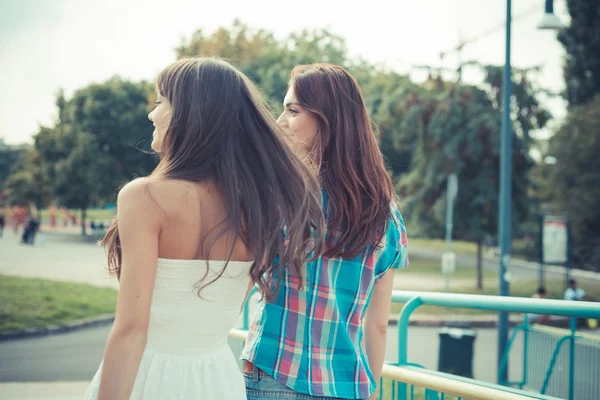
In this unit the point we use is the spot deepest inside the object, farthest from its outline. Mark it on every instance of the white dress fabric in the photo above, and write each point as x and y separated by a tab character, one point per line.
187	355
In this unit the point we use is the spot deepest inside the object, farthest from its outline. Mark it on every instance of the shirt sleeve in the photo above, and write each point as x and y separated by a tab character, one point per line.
394	245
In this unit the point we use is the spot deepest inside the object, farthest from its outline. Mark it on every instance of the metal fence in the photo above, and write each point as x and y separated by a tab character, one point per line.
559	362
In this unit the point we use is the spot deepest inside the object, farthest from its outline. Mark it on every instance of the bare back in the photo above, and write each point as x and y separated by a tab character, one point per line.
194	215
176	327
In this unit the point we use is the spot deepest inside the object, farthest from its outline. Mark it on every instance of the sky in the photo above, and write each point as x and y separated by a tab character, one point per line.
50	44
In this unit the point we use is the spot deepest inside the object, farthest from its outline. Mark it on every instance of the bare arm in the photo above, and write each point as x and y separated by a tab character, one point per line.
139	227
376	323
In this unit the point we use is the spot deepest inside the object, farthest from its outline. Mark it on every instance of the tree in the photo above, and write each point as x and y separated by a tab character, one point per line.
386	94
28	184
9	156
93	147
572	184
576	180
115	114
78	175
456	129
581	41
266	61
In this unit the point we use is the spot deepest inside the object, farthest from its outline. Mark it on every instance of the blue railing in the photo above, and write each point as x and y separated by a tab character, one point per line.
413	300
561	362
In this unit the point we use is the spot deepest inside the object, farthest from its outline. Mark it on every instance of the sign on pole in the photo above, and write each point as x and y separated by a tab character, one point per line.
554	240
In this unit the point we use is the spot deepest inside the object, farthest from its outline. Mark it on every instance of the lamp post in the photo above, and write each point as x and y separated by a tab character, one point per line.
549	21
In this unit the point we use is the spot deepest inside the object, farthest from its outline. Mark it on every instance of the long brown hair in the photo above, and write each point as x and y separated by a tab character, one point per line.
351	166
221	129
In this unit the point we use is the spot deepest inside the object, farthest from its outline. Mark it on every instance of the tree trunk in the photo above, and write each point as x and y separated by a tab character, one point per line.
83	221
479	264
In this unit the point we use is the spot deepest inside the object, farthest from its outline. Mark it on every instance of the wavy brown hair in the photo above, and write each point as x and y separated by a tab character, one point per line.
351	166
221	129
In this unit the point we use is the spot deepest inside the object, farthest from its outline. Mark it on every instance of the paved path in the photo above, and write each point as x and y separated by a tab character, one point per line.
64	256
71	390
57	258
75	356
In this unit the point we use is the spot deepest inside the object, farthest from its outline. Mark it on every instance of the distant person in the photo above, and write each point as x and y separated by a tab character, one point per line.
574	293
536	318
2	223
52	212
30	230
19	216
191	240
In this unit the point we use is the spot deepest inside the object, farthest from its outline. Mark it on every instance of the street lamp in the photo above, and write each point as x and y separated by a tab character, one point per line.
549	21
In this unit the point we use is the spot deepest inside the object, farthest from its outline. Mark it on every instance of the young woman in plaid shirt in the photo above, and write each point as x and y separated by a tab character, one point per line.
323	333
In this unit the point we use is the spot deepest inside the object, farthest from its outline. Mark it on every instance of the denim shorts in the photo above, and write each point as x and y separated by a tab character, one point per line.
260	386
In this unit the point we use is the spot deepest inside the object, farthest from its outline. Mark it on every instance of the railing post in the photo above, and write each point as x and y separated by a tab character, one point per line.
505	357
525	350
572	360
552	364
403	321
431	395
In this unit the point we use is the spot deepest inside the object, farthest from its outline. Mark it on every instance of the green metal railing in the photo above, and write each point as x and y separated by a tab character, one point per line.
405	380
413	300
559	362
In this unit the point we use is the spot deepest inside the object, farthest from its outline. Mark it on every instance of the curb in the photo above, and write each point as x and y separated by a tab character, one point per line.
57	329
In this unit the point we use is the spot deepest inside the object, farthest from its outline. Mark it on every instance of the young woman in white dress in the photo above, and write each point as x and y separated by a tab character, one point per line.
191	239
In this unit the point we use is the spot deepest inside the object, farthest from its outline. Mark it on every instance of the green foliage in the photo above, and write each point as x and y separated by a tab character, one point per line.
581	41
114	114
28	184
97	144
427	131
265	60
575	180
455	128
9	157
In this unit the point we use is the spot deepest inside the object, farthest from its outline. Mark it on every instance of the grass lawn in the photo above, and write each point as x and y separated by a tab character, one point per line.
459	247
35	303
433	267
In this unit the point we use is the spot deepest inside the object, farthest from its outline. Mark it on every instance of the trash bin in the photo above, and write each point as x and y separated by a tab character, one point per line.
456	351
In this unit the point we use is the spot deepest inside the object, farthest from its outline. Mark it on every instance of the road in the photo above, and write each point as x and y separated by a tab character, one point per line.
75	356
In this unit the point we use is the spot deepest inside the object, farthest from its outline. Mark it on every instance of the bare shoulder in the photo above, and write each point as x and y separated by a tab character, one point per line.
136	192
157	194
